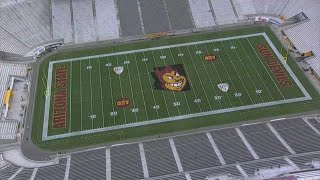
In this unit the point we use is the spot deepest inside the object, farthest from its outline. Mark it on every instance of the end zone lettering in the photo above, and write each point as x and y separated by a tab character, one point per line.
59	117
274	66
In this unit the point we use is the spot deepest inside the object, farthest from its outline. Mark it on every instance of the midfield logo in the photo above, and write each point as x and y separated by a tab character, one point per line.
171	78
223	87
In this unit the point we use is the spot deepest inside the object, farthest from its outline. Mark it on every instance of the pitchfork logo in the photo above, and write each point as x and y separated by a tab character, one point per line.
223	87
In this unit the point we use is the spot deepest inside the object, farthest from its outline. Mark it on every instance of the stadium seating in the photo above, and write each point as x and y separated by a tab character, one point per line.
231	146
8	129
8	170
7	70
251	167
61	20
25	25
52	172
126	162
304	161
83	165
224	12
297	134
244	8
260	138
196	152
159	158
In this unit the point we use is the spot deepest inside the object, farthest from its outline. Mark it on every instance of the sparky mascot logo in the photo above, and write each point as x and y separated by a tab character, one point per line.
171	78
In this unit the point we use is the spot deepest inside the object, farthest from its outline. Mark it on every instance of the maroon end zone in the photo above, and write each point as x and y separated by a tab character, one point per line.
274	66
59	117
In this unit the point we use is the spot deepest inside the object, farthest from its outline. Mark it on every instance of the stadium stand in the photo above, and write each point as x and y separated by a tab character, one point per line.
8	170
261	139
25	25
8	129
126	159
223	11
160	158
244	8
296	134
84	27
303	35
61	20
201	13
231	146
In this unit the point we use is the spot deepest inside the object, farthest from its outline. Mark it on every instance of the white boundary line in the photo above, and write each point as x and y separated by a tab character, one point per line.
50	73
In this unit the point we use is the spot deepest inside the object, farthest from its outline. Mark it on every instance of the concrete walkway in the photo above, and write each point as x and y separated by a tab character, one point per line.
16	157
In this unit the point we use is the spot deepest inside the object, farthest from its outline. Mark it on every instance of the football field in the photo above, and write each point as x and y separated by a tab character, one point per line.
167	83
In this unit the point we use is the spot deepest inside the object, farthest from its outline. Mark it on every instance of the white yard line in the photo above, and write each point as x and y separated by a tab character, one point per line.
101	94
229	75
195	67
174	95
81	95
91	94
144	102
124	112
184	93
112	102
256	70
70	93
215	69
237	74
164	98
133	101
266	69
246	71
195	94
205	68
151	86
